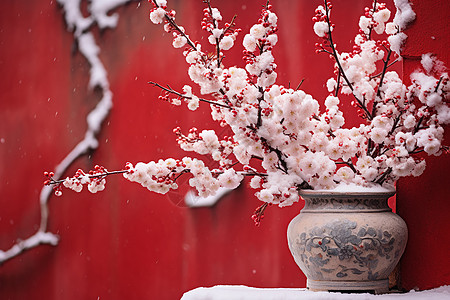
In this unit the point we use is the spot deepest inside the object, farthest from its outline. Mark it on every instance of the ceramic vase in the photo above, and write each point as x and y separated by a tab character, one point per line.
347	241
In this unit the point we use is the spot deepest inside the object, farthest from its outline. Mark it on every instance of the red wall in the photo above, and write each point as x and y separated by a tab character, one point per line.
127	243
424	202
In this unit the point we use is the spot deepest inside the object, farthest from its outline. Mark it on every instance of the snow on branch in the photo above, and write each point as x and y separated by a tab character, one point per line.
35	240
80	26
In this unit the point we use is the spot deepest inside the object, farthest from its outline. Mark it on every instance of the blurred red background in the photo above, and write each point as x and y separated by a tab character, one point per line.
128	243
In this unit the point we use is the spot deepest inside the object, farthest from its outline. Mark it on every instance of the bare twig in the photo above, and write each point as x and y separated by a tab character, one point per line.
177	28
300	84
349	164
384	176
99	175
383	73
336	58
172	91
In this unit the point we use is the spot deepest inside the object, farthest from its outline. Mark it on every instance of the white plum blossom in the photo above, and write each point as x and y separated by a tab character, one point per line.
157	15
230	179
331	102
216	14
258	31
396	41
226	42
272	39
265	196
73	183
405	139
255	182
250	42
382	122
381	17
378	134
391	28
179	41
96	186
331	84
321	29
193	103
409	122
365	24
192	100
210	139
281	137
241	154
344	174
418	168
161	2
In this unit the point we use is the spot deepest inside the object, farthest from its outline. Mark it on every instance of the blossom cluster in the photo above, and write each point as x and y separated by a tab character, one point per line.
94	180
282	138
160	176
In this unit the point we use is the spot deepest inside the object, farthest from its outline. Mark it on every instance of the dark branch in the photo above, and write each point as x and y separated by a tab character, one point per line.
172	91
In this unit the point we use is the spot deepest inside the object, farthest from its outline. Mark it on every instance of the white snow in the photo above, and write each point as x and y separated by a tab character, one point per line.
192	200
74	18
396	41
352	187
404	14
427	62
100	8
98	75
222	292
31	242
403	17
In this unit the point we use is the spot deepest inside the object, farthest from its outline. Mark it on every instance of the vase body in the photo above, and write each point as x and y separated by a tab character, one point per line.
347	241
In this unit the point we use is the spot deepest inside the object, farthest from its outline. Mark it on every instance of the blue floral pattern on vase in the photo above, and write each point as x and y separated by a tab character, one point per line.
345	241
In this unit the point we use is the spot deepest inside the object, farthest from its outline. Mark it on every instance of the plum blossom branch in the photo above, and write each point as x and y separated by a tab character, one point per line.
258	215
281	137
384	69
160	13
104	173
172	91
217	34
374	8
335	55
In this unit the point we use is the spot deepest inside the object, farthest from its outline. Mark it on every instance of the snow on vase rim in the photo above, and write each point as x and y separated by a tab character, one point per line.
352	189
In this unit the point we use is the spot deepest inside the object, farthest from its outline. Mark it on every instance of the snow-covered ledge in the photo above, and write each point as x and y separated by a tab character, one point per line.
192	200
228	292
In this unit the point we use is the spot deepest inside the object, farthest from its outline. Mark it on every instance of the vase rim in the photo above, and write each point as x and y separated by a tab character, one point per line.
369	192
